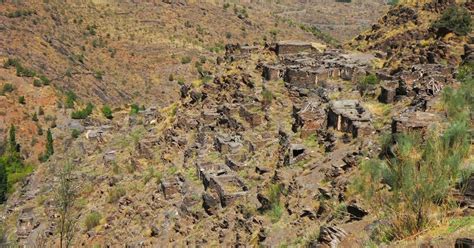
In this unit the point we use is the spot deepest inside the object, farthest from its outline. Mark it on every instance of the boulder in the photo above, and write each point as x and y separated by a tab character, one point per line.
464	243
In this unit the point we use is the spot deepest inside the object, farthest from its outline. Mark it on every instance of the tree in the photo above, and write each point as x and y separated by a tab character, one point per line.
3	183
49	143
455	19
66	194
13	147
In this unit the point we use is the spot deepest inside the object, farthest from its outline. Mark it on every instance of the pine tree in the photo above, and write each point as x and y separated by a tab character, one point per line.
12	145
3	183
49	144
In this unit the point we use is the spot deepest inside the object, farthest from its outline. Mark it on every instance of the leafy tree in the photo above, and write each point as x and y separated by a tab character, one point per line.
455	19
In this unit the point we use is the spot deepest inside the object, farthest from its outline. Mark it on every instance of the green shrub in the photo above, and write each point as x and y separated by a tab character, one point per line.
107	112
134	109
366	83
20	13
226	6
75	133
455	19
84	113
7	88
186	60
34	117
420	171
115	194
91	29
99	75
274	195
21	100
44	80
92	220
71	97
37	83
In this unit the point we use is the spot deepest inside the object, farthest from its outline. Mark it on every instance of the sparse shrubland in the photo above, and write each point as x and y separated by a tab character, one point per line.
412	181
92	220
84	113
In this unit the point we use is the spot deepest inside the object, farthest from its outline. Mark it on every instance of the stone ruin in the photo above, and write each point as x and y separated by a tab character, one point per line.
301	66
293	47
350	117
424	80
228	187
272	72
206	171
308	118
171	187
228	144
414	121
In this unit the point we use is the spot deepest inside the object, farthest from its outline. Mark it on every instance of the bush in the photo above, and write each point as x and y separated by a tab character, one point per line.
420	171
186	60
37	83
20	70
20	13
75	133
21	100
99	75
7	88
44	80
71	97
92	220
84	113
107	112
455	19
115	194
366	83
134	109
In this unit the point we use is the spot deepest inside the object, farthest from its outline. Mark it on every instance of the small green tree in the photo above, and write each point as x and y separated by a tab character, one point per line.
455	19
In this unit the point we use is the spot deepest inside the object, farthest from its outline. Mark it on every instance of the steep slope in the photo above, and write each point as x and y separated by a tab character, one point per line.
266	148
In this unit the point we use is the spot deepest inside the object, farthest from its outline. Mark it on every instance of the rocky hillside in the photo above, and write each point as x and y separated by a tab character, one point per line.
271	143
